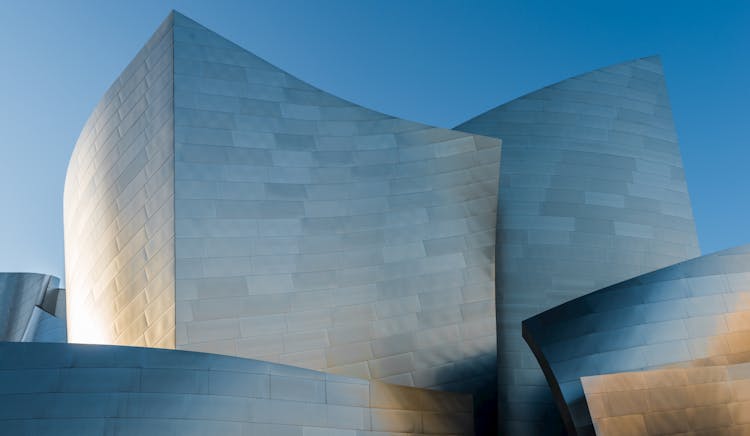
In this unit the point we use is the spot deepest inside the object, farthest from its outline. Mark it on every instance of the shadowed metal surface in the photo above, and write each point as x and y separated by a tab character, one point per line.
694	313
711	400
68	389
29	308
45	327
592	192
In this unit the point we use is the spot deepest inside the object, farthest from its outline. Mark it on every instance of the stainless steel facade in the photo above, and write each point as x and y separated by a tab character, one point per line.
119	209
69	389
694	313
710	400
592	192
32	308
216	203
314	232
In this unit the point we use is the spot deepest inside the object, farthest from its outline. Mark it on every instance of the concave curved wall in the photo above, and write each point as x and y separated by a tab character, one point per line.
314	232
695	313
592	192
96	389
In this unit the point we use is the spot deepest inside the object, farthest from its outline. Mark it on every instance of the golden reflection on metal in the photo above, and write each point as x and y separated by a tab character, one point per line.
710	400
118	211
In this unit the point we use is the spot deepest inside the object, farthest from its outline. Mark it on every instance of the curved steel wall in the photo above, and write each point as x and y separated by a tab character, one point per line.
694	313
46	327
314	232
22	298
251	214
592	192
118	208
96	389
307	230
708	401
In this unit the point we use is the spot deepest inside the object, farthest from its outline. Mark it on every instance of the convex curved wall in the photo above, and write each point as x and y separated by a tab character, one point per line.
709	400
693	313
216	203
96	389
254	215
592	192
119	211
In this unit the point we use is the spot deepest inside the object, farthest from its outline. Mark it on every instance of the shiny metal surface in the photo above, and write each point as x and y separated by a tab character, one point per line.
307	230
592	192
68	389
119	211
28	308
314	232
45	327
710	400
216	203
694	313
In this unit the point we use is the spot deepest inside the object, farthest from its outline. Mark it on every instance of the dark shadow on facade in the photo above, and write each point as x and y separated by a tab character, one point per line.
482	385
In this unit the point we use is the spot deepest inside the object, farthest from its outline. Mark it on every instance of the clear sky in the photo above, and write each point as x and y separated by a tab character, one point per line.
439	62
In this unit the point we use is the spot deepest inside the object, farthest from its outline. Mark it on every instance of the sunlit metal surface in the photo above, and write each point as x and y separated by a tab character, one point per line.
216	203
710	400
119	212
95	389
694	313
254	215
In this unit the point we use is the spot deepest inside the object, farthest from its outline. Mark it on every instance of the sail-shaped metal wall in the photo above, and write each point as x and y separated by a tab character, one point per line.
592	192
216	203
314	232
119	208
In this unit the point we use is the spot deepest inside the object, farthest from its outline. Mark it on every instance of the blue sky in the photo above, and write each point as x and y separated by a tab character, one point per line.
439	62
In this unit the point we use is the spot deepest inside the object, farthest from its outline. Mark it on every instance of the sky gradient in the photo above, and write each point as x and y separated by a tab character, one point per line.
438	62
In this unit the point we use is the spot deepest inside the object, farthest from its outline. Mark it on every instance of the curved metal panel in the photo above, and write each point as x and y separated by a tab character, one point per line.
119	212
592	192
692	313
51	389
45	327
314	232
22	295
708	400
307	230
